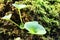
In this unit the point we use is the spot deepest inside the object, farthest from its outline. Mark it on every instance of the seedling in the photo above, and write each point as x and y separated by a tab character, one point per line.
34	28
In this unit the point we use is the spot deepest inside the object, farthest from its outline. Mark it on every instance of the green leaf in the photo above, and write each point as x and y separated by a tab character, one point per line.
34	28
7	17
19	6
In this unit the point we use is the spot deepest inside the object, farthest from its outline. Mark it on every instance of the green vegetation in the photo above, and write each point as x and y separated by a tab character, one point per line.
34	28
24	13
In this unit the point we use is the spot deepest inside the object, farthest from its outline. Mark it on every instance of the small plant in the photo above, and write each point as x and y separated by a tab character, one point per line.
34	28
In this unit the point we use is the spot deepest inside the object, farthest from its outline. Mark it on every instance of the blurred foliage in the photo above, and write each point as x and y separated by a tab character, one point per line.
48	13
1	1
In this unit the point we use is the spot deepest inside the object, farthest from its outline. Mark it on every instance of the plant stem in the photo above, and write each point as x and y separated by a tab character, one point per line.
20	15
14	23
